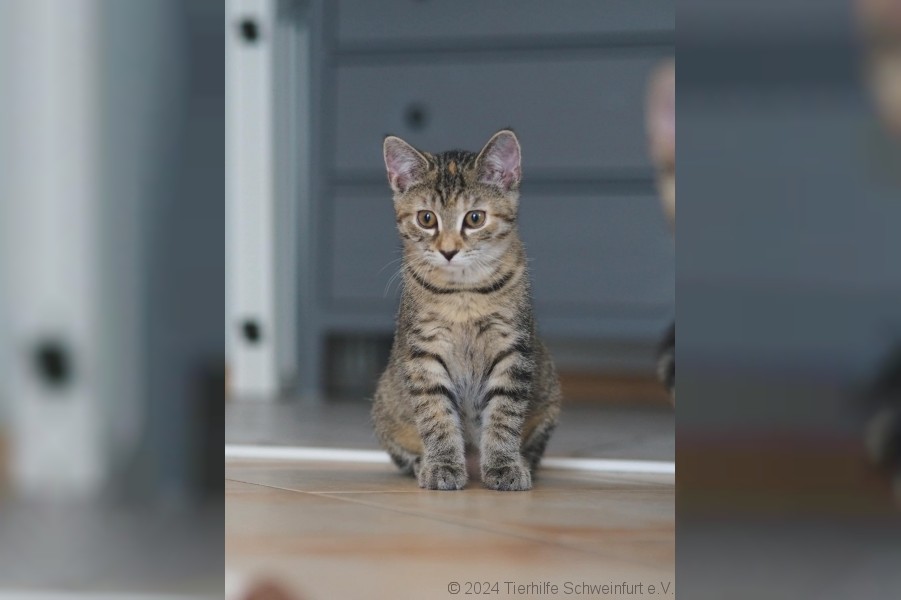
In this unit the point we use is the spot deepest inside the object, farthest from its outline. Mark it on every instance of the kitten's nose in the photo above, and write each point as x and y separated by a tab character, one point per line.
449	254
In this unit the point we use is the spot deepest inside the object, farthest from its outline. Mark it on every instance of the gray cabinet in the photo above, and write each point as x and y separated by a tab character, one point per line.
569	77
573	115
418	23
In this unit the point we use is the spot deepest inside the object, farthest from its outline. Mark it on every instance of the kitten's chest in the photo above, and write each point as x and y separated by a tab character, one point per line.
462	310
468	346
468	355
468	349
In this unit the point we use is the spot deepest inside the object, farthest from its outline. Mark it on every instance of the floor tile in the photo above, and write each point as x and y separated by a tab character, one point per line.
350	478
322	476
627	524
333	546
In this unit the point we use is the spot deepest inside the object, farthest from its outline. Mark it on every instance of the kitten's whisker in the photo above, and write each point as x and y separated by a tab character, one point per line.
417	260
396	276
485	265
390	262
388	285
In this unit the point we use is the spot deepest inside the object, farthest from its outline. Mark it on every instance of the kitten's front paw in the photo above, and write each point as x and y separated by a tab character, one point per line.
442	476
512	477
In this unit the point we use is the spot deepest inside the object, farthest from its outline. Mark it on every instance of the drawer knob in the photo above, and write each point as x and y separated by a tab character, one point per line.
250	329
53	363
250	30
416	116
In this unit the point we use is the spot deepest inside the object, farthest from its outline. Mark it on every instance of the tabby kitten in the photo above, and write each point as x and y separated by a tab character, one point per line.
467	375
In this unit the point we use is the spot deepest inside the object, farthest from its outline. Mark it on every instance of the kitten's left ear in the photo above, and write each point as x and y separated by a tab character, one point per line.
500	161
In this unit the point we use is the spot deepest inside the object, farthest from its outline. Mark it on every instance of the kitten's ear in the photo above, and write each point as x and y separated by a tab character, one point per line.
661	113
500	161
405	164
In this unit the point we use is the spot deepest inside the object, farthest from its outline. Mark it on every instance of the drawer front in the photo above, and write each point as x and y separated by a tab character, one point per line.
415	22
590	255
361	247
573	116
608	254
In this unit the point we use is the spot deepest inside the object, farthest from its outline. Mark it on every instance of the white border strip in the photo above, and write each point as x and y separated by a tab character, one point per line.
240	451
300	453
611	465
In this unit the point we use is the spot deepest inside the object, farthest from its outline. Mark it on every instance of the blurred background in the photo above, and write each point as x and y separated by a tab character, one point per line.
116	342
112	356
790	288
312	248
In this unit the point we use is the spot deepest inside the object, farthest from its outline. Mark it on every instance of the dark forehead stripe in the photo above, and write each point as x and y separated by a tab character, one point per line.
450	167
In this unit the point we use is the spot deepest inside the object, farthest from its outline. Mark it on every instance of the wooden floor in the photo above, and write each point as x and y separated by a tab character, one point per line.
346	530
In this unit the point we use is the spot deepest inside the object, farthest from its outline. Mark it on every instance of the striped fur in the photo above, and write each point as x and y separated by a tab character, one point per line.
467	374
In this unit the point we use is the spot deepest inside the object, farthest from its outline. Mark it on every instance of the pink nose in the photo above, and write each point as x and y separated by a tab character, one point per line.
449	254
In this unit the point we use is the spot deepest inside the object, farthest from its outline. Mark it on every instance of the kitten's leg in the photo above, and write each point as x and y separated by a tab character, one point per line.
443	465
394	428
535	441
544	411
504	408
406	461
437	419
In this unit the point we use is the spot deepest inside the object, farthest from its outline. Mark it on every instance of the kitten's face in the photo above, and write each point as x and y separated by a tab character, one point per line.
456	211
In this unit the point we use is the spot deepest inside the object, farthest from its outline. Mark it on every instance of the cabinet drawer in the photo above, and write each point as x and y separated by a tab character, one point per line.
604	254
590	255
424	22
361	247
572	116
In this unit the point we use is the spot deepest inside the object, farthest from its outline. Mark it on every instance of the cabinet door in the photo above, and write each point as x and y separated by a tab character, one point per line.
582	117
411	22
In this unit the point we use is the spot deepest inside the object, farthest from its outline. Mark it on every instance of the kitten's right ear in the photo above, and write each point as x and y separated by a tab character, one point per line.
499	161
405	164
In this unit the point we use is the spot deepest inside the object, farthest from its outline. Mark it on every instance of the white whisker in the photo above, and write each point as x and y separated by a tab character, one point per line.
418	260
390	262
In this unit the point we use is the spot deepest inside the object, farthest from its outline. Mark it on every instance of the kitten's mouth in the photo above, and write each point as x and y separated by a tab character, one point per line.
452	264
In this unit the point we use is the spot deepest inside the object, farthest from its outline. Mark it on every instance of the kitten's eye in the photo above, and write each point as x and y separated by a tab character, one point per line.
427	219
474	219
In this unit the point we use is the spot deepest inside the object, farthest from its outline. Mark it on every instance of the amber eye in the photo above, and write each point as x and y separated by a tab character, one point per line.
427	219
474	219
